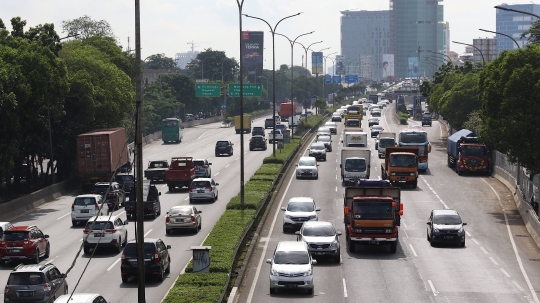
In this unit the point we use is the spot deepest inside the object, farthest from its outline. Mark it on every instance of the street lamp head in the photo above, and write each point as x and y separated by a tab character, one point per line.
500	7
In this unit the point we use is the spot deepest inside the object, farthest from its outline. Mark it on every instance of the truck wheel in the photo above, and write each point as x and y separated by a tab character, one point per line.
393	247
457	170
415	183
449	161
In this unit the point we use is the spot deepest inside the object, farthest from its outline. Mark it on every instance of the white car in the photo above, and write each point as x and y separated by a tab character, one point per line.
291	266
203	189
332	126
307	167
298	211
81	298
86	206
105	232
277	137
4	226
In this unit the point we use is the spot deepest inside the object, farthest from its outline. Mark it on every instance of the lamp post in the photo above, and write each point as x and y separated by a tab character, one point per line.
324	93
483	61
273	31
292	74
437	53
317	72
516	11
497	33
307	71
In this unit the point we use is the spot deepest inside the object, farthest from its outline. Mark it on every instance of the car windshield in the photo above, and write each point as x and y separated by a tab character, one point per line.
317	147
447	219
402	161
257	139
306	162
131	249
16	235
384	142
291	257
200	183
376	129
157	165
101	188
222	143
319	231
198	163
84	201
355	165
99	225
373	210
472	151
323	138
26	278
184	211
124	178
301	206
353	123
413	137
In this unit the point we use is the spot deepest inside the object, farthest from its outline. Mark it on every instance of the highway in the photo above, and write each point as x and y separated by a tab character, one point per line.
102	273
500	262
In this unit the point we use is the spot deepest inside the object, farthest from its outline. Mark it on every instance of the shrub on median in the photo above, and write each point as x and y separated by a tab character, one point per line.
403	118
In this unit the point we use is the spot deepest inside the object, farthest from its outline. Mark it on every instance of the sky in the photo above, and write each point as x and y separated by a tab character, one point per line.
169	26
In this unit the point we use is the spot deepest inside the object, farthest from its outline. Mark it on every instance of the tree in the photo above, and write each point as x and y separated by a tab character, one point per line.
319	104
462	99
86	27
533	33
213	65
510	86
160	61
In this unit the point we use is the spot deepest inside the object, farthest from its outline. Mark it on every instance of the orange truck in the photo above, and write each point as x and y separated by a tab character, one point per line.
400	165
372	214
180	173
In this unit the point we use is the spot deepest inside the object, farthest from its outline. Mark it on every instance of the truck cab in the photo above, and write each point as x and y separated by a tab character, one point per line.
400	165
180	173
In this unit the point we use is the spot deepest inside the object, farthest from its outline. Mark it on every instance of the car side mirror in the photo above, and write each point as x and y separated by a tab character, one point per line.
46	236
209	163
297	233
296	164
199	211
159	194
464	224
318	209
313	262
283	208
338	233
217	184
126	222
428	223
168	247
269	261
232	143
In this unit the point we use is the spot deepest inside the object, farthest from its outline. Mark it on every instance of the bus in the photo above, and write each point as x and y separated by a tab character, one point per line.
172	130
419	138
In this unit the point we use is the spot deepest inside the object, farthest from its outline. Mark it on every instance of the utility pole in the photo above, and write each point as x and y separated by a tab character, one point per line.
139	155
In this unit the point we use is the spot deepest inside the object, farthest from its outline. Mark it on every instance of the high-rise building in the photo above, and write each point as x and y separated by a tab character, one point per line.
416	28
364	36
182	59
514	24
488	50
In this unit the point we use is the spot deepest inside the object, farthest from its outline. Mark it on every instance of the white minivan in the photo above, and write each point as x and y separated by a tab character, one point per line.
86	206
105	232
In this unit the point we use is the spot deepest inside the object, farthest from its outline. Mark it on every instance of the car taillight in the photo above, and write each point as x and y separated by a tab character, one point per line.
167	219
6	289
209	188
111	192
73	207
156	257
191	188
47	287
123	259
250	141
204	166
92	192
192	218
97	206
86	231
110	230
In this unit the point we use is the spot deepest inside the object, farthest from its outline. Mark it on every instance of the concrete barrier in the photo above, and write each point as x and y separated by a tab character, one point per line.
22	205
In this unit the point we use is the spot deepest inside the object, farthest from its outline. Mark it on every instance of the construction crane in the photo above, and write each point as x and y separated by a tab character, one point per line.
193	45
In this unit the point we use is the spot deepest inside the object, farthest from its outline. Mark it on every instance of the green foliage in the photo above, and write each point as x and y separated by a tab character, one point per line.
268	169
457	103
86	27
509	89
533	33
160	61
403	117
474	123
309	122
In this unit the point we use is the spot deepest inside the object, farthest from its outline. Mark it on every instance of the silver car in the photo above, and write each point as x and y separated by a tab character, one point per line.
321	238
202	168
183	217
291	266
203	189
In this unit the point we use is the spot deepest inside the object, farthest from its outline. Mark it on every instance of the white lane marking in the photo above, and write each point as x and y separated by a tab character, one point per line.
49	261
504	272
474	240
484	250
163	185
186	198
336	189
413	251
493	260
147	232
201	136
258	271
110	267
336	177
468	234
216	174
344	289
432	288
517	285
236	158
63	216
436	195
518	258
121	213
227	165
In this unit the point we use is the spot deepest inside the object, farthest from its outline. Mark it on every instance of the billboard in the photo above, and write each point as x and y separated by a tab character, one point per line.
316	63
413	67
388	66
252	55
340	65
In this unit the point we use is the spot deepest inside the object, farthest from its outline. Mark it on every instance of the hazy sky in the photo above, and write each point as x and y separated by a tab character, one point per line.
168	25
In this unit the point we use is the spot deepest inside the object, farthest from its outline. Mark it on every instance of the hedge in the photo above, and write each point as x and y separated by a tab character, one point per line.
403	118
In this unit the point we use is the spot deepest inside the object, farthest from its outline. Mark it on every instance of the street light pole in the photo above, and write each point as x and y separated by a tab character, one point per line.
437	53
307	71
292	75
324	93
497	33
317	74
516	11
273	31
483	61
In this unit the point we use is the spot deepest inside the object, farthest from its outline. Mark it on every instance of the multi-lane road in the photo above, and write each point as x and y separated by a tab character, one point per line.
500	262
102	275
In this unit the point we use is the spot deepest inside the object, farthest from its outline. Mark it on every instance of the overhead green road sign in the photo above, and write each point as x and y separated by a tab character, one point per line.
207	89
250	90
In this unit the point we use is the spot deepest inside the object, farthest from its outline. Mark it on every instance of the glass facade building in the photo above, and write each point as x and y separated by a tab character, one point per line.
514	24
416	28
365	37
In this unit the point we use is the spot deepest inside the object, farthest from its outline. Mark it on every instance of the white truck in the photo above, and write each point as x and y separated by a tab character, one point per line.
384	139
355	163
293	119
354	139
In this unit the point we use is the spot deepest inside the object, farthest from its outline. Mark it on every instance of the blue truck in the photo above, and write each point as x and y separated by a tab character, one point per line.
467	154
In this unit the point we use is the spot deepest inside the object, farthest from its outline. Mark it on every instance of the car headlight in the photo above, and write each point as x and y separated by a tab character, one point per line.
435	230
274	272
312	217
308	273
286	216
334	245
388	231
460	230
413	174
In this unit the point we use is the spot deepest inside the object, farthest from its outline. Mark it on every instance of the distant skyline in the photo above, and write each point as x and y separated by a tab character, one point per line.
169	26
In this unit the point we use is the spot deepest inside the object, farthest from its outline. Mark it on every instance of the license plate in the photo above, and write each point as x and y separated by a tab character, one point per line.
26	294
448	237
318	253
200	191
85	211
291	285
98	235
373	242
134	263
179	220
14	250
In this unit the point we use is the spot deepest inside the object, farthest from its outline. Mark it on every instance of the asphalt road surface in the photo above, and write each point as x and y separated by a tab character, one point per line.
500	262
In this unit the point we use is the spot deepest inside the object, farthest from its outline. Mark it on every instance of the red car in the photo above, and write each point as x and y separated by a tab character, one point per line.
24	243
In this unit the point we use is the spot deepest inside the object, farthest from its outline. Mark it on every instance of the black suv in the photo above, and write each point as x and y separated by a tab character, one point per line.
224	147
269	123
445	226
257	142
426	119
155	251
35	283
258	131
125	181
114	197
